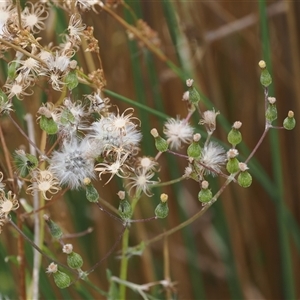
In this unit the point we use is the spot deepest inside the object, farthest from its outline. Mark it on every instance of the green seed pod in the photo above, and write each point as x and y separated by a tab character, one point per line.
74	260
271	113
194	96
234	137
125	209
161	144
91	193
244	179
71	80
289	122
232	165
162	210
265	78
55	230
48	125
62	280
205	195
194	150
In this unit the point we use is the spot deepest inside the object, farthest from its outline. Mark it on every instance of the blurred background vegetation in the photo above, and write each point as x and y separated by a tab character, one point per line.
247	245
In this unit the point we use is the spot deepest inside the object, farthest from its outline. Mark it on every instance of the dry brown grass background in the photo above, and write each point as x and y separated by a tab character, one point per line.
221	44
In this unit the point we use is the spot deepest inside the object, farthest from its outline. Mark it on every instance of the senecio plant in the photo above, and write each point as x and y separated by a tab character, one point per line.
88	140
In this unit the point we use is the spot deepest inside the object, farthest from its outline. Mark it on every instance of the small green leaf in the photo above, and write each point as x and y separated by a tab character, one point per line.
71	80
48	125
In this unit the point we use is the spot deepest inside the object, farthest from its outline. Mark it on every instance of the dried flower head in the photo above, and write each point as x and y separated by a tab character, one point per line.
44	181
76	28
141	180
115	133
117	167
147	164
209	120
213	157
8	203
178	132
34	16
73	163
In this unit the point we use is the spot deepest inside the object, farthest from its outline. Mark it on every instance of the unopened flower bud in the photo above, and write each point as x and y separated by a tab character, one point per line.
121	195
125	209
194	96
234	136
271	113
160	143
87	181
164	197
205	195
90	192
232	165
55	230
265	77
244	178
74	260
262	64
194	149
162	209
62	280
289	122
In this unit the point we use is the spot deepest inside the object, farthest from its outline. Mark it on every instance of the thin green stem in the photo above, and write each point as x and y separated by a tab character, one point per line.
125	243
287	273
194	217
124	263
168	182
39	249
